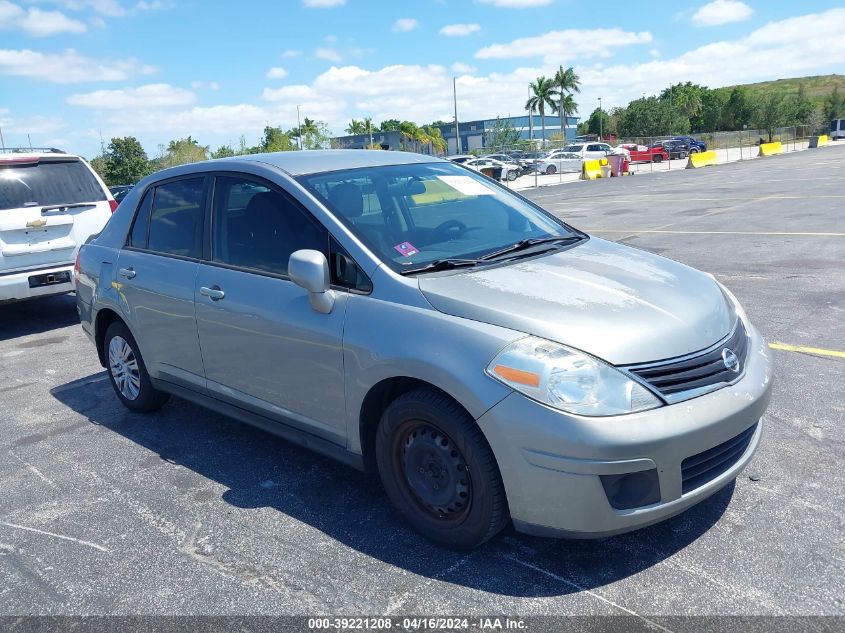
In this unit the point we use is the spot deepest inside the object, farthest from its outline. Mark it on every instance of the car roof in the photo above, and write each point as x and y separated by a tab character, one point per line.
297	163
23	154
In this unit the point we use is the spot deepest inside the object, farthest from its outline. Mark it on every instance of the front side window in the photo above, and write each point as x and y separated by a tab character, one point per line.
412	215
258	228
176	219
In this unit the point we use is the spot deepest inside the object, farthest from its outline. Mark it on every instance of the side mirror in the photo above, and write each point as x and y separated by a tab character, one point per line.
309	269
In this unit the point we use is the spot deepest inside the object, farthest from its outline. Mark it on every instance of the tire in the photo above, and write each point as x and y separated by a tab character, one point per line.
693	150
425	440
551	169
512	175
657	158
127	373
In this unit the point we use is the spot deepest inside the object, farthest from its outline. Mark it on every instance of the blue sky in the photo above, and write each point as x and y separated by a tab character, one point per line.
71	70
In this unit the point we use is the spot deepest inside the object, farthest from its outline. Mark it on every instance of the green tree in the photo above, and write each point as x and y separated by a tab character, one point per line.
688	99
770	113
738	111
652	117
834	105
98	164
224	151
566	82
798	108
436	143
182	151
391	125
355	127
315	134
711	117
275	140
598	122
542	94
501	134
125	161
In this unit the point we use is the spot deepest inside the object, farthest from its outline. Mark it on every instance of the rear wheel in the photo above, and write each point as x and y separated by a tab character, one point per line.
512	175
127	373
551	169
693	150
657	158
439	471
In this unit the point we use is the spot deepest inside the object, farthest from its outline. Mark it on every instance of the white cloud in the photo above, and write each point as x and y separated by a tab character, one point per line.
277	72
322	4
461	68
722	12
291	53
211	85
517	4
328	54
109	8
459	30
567	45
67	67
30	125
37	22
405	24
147	97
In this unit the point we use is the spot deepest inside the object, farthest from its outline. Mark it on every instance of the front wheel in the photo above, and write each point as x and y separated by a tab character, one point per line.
127	373
657	158
439	470
694	150
512	175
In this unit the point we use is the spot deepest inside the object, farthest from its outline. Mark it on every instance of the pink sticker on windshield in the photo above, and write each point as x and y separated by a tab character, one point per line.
407	249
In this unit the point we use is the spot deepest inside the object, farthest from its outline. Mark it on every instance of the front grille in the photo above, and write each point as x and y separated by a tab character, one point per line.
706	466
698	371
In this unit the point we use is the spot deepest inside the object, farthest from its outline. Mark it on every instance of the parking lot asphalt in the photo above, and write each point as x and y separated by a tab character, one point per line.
103	511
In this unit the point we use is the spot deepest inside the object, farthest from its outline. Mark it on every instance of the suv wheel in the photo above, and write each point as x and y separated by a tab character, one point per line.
439	471
693	150
551	169
127	373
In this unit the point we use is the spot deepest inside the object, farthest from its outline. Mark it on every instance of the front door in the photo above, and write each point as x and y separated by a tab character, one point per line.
264	348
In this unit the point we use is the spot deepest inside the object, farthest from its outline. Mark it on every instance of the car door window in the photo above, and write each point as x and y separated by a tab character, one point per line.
258	228
140	228
176	218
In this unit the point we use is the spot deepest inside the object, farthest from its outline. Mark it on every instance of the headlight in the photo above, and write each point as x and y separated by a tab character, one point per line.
568	380
732	300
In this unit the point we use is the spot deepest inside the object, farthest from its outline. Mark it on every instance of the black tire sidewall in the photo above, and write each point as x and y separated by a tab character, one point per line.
149	398
551	170
476	526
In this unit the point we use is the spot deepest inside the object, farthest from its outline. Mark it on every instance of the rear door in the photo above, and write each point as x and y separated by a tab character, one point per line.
156	272
48	207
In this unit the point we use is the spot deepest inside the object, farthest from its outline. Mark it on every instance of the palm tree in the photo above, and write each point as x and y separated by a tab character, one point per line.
543	94
308	129
566	82
567	107
355	127
435	139
408	130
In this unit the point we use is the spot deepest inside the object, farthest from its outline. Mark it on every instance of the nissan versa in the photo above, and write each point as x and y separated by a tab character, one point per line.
407	315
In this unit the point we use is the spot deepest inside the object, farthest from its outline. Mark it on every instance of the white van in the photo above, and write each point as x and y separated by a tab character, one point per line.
50	203
837	129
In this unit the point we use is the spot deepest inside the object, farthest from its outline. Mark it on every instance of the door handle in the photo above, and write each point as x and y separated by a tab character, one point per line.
214	293
129	273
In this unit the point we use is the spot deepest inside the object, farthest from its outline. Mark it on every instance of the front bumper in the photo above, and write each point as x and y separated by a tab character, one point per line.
552	462
17	286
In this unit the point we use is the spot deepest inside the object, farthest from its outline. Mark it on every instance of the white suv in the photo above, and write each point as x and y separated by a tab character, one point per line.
50	204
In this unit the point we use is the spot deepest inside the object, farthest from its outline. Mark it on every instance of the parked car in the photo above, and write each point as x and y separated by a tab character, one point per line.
50	203
119	191
837	129
694	144
674	148
460	158
589	150
406	315
509	171
645	153
560	162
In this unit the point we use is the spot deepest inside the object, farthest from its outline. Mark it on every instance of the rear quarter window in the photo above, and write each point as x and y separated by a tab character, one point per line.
48	182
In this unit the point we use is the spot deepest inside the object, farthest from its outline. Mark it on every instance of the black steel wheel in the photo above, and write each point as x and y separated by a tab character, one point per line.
439	470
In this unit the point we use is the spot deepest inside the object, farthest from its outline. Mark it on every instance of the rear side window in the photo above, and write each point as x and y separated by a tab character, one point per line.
176	220
138	237
48	182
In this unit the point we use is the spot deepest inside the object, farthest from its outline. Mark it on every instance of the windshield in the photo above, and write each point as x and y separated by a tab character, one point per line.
412	215
47	183
573	148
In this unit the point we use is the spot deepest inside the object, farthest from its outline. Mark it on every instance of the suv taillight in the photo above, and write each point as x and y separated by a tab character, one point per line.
76	268
113	204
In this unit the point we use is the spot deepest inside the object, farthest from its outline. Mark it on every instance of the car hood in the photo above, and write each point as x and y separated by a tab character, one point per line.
618	303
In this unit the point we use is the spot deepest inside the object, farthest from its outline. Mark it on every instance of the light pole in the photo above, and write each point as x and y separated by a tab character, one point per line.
457	130
601	116
299	129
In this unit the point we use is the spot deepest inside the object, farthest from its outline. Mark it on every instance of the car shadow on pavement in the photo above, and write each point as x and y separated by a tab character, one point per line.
350	507
35	316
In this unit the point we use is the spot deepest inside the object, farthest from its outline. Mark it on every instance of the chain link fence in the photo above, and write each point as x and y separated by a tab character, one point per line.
729	147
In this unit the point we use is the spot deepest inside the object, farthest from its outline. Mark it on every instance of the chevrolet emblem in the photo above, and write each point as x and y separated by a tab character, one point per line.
35	224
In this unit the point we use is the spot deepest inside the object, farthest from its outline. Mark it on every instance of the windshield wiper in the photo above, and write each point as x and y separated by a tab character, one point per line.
56	207
528	243
441	264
